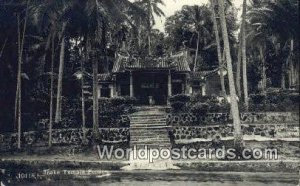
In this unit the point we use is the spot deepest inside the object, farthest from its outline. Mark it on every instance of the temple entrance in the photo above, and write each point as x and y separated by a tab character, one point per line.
151	88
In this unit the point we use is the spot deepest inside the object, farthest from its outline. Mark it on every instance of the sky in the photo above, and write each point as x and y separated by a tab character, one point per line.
171	6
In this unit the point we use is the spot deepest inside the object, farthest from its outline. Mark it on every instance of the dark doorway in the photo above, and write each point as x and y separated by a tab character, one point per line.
150	88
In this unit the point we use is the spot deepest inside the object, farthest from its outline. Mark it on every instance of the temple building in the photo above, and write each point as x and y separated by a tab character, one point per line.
153	80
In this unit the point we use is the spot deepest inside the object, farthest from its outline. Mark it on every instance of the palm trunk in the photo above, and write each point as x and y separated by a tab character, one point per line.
83	99
264	77
238	138
95	99
197	51
2	48
149	28
290	62
60	76
51	93
216	31
238	67
283	77
21	40
18	94
244	57
43	60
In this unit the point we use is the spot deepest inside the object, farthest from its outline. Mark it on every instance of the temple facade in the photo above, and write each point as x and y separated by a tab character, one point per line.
152	80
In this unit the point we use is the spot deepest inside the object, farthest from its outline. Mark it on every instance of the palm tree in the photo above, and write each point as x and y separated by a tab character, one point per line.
51	91
238	138
217	36
21	40
265	16
99	14
52	17
238	66
244	57
151	7
60	73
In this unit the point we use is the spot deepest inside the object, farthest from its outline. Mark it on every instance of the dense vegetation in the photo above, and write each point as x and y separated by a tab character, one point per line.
50	49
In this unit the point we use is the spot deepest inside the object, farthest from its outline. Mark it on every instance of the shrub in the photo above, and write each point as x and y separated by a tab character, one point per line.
200	108
199	98
180	98
275	101
257	98
178	106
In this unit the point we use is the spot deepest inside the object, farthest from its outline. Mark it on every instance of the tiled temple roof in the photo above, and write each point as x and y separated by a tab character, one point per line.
177	62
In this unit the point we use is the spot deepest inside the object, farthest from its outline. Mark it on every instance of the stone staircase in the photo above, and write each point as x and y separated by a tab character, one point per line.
149	128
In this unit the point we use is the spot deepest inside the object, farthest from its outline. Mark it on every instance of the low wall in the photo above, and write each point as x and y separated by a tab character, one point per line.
275	131
271	125
63	137
184	119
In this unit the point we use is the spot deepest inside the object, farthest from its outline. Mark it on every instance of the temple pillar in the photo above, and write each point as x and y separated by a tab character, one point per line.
114	87
203	90
188	88
99	91
131	85
111	87
169	84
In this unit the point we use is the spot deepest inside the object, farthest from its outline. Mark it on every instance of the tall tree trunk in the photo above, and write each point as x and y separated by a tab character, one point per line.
2	48
149	27
264	76
60	75
216	31
283	77
18	94
290	63
238	67
51	93
43	60
238	138
95	98
197	51
82	96
244	57
21	40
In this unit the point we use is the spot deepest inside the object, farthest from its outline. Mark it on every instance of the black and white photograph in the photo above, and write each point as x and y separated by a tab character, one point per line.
149	93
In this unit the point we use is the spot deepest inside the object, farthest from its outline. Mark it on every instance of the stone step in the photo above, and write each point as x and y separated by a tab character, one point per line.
153	139
142	137
150	142
148	134
148	120
150	127
147	124
148	116
155	146
161	129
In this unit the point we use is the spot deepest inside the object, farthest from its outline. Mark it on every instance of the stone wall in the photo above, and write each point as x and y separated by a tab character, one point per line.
63	137
188	119
253	131
270	125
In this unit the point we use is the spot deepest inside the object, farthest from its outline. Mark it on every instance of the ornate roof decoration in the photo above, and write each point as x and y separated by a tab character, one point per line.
178	62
